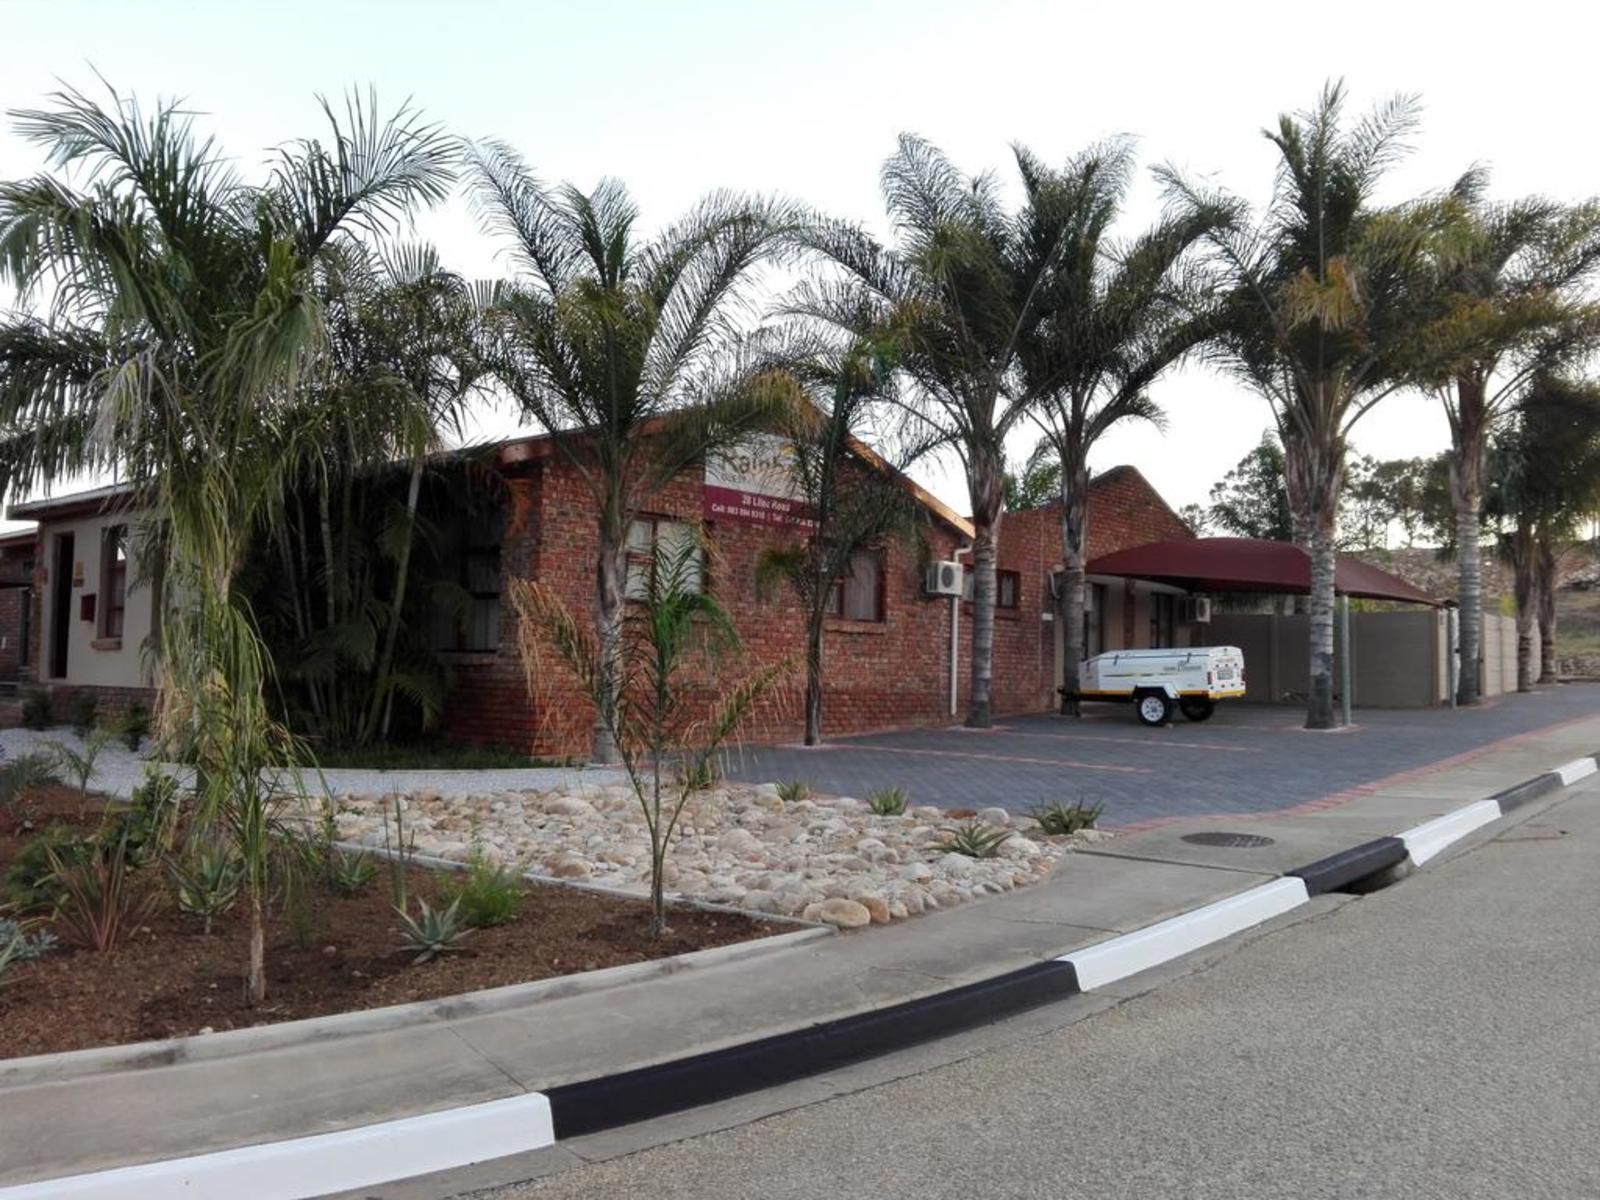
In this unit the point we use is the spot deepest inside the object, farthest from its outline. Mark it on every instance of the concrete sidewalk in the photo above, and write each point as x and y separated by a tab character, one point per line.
57	1120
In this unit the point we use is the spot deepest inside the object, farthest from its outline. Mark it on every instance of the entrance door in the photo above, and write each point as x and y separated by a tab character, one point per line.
60	605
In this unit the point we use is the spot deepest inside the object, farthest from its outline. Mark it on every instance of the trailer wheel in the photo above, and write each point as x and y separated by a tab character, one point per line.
1153	708
1197	708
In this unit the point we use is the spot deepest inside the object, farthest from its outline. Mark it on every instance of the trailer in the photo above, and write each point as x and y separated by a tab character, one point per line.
1188	680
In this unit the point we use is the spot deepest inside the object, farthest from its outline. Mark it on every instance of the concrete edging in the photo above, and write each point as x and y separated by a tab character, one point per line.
589	1106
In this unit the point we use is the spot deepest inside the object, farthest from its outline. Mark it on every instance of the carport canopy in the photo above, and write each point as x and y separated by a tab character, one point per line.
1225	564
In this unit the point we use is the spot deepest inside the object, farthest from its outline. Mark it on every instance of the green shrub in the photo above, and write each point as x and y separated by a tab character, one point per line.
889	802
1056	818
350	874
134	726
975	840
20	775
434	932
702	774
79	761
794	791
36	712
150	820
79	709
25	945
207	884
102	901
488	894
30	880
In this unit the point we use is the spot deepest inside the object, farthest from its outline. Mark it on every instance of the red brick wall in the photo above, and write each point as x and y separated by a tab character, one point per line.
878	674
12	600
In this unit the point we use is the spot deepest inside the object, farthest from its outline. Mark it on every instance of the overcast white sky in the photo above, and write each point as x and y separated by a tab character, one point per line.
806	99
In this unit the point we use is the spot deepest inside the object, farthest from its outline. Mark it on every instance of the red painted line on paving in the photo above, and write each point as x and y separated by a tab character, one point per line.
1010	758
1156	741
1335	799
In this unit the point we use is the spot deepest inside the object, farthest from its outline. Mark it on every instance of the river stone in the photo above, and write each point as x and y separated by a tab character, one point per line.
998	817
845	914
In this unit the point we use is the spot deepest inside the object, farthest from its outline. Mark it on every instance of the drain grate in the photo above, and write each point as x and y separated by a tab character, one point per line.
1232	841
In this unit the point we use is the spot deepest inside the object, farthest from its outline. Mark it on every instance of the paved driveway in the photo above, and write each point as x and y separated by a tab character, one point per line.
1246	759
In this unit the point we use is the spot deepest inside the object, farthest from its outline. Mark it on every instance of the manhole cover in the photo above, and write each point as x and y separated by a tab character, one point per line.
1234	841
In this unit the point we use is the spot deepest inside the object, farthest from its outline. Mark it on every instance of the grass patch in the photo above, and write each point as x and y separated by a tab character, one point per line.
428	756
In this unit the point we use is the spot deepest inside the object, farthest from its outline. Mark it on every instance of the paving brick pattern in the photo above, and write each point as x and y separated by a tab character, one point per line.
1246	759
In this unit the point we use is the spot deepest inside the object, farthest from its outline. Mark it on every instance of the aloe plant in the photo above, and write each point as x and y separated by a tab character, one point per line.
434	931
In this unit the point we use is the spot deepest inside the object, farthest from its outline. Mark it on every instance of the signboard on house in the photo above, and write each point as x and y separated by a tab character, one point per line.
754	482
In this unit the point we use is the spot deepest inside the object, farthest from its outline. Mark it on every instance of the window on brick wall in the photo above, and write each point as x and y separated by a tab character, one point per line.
473	562
113	581
857	595
1007	588
659	538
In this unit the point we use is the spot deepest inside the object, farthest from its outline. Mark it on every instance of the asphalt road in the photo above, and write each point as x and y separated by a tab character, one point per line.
1440	1039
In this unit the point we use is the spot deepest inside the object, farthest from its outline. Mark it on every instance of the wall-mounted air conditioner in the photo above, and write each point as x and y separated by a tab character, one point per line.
1195	610
944	579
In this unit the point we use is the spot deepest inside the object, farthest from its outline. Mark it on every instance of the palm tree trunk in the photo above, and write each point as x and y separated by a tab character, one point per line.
391	635
1545	556
1525	587
609	595
255	990
1070	606
1312	476
986	481
1468	465
813	734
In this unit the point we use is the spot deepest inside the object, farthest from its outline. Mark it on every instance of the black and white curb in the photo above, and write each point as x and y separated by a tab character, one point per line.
373	1154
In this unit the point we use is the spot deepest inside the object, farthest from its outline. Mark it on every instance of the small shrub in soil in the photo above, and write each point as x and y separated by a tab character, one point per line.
350	874
794	791
79	761
36	712
30	883
1056	818
134	726
26	941
150	821
80	709
207	884
975	840
20	776
488	894
102	898
435	931
889	802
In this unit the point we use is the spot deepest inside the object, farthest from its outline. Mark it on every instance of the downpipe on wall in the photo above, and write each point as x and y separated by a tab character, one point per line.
955	632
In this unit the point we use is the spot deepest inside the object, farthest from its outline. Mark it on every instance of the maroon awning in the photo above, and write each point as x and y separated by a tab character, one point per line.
1250	565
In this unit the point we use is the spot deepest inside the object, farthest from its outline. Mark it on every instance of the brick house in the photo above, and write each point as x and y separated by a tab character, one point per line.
887	648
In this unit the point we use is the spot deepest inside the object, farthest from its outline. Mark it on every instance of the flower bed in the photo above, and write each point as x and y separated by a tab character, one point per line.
819	857
170	978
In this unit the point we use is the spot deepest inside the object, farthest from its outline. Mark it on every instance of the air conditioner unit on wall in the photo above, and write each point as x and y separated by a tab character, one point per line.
1195	610
944	579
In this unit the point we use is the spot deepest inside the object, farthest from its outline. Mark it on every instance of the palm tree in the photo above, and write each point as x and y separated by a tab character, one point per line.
181	320
963	287
1501	308
1545	475
622	348
855	500
1119	316
1319	311
400	370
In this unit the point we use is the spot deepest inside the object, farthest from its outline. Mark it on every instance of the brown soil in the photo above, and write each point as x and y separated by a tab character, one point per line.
171	979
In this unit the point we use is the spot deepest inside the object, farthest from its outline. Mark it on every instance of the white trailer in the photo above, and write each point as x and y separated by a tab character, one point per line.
1189	680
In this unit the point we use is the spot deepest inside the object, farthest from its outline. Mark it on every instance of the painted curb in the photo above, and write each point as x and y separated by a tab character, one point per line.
457	1137
1340	870
323	1163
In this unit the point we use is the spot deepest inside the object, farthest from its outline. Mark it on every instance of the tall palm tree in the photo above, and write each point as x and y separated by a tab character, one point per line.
964	285
1545	475
1119	316
855	500
180	319
622	348
1319	311
1501	305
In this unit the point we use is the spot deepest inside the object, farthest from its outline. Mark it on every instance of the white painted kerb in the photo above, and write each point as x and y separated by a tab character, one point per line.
1428	839
326	1162
1108	961
1578	769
